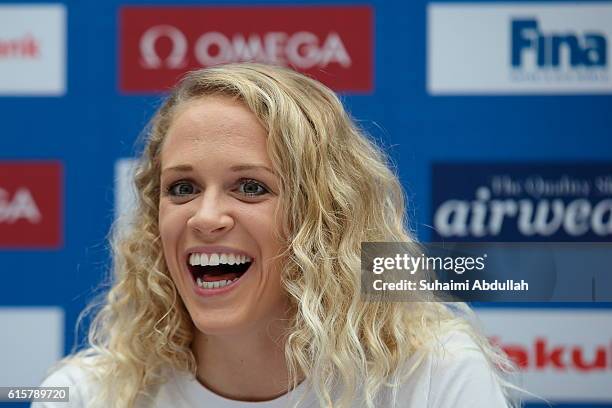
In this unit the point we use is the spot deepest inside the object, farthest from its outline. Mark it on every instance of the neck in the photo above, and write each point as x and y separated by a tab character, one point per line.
246	367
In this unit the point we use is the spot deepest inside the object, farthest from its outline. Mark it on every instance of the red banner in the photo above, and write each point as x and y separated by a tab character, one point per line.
332	44
31	201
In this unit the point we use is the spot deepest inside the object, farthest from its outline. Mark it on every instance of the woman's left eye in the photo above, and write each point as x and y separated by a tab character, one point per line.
252	188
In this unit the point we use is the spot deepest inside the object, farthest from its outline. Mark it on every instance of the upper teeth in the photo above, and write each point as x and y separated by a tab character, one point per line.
216	259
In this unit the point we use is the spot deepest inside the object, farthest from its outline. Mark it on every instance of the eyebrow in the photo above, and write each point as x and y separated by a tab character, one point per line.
236	168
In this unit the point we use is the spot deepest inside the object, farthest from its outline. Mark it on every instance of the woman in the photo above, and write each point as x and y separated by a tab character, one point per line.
238	284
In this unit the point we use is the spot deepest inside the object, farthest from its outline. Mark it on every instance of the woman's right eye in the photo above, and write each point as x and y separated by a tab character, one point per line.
181	188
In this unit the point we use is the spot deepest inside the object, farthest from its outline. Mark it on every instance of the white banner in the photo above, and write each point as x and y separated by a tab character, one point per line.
519	48
565	355
32	341
33	50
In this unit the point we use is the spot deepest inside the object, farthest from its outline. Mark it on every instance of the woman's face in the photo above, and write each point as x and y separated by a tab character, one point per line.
218	197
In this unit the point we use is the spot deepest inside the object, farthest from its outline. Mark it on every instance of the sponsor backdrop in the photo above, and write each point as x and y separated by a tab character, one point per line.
496	114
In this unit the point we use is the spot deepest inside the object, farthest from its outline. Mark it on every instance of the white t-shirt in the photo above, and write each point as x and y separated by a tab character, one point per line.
456	376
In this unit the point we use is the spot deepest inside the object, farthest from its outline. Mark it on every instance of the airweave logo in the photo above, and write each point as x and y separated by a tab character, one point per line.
519	48
522	202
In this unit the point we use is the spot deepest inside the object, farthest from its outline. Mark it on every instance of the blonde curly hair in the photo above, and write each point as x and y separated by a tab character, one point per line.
337	190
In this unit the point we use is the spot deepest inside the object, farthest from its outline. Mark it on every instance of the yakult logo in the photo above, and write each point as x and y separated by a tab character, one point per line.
543	354
26	46
523	202
31	204
308	39
568	49
564	354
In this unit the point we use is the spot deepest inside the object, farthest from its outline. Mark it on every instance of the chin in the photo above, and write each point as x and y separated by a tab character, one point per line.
219	325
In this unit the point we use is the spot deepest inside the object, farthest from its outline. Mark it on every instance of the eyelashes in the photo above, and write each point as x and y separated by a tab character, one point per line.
180	188
252	184
246	187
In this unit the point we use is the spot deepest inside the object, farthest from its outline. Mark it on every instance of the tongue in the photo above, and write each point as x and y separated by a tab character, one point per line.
214	278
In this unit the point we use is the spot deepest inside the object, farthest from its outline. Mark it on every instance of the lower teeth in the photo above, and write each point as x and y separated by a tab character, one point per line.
216	284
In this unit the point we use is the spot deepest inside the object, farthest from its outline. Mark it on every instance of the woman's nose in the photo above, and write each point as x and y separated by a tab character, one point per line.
211	218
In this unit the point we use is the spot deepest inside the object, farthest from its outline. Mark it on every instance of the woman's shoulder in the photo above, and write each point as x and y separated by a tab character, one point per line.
453	371
455	347
78	374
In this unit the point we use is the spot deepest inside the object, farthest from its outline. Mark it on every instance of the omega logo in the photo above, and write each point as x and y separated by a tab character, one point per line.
302	49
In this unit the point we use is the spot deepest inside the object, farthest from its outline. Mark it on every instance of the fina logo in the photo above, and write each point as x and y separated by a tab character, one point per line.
563	56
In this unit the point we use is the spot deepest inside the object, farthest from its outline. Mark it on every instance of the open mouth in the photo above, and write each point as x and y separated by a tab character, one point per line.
215	276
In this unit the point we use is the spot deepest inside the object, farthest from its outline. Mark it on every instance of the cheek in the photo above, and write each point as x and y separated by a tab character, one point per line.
171	218
164	230
263	223
170	227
